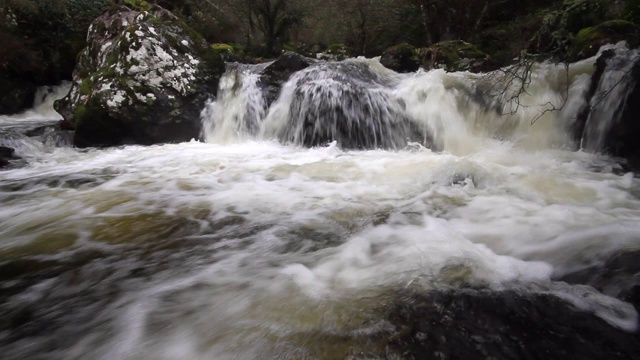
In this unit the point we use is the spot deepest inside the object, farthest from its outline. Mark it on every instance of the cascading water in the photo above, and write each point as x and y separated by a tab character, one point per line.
362	105
610	98
240	107
251	246
13	128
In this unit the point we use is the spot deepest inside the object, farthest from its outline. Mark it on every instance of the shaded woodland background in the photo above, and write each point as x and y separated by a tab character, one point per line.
40	39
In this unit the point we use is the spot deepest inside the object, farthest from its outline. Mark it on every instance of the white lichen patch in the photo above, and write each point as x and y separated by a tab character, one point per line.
117	99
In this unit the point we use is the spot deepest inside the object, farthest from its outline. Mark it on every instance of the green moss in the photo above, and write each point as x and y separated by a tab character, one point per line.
86	87
451	53
80	113
588	40
139	5
222	47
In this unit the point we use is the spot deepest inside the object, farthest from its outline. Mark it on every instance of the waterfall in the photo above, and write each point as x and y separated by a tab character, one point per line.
240	107
362	105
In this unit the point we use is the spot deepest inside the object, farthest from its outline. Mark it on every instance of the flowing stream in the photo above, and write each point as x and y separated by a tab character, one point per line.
251	246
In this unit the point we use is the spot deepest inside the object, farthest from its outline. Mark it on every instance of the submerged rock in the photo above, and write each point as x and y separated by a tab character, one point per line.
143	78
484	324
617	276
6	153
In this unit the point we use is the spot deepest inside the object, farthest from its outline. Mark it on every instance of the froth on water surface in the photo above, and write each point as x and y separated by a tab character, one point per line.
259	250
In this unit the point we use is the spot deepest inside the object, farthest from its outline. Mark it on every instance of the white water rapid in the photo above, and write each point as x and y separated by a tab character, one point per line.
250	246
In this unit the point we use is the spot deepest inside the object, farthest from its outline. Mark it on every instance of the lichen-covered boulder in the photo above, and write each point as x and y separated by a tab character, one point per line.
143	78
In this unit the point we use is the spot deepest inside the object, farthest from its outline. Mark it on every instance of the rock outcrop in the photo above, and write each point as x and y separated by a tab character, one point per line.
143	78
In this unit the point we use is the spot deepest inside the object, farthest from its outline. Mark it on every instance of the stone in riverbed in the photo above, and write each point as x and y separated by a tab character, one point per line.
618	275
6	153
483	324
143	78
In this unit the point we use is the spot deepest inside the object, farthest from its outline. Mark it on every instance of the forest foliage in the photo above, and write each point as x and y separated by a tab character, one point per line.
41	38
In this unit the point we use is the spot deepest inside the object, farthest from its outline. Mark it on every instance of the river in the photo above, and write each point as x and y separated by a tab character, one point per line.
250	246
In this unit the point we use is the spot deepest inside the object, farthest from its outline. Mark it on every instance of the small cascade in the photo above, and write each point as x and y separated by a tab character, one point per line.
42	110
348	102
15	130
240	107
610	98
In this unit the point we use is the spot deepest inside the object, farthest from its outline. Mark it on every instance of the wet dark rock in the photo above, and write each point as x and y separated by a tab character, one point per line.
143	78
403	58
6	154
612	119
617	276
577	128
277	73
622	139
484	324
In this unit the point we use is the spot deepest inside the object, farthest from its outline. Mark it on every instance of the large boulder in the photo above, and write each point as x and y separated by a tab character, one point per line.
143	78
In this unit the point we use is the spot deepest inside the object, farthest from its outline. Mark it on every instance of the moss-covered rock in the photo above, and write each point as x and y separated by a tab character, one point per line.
458	55
589	40
455	55
401	58
142	79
